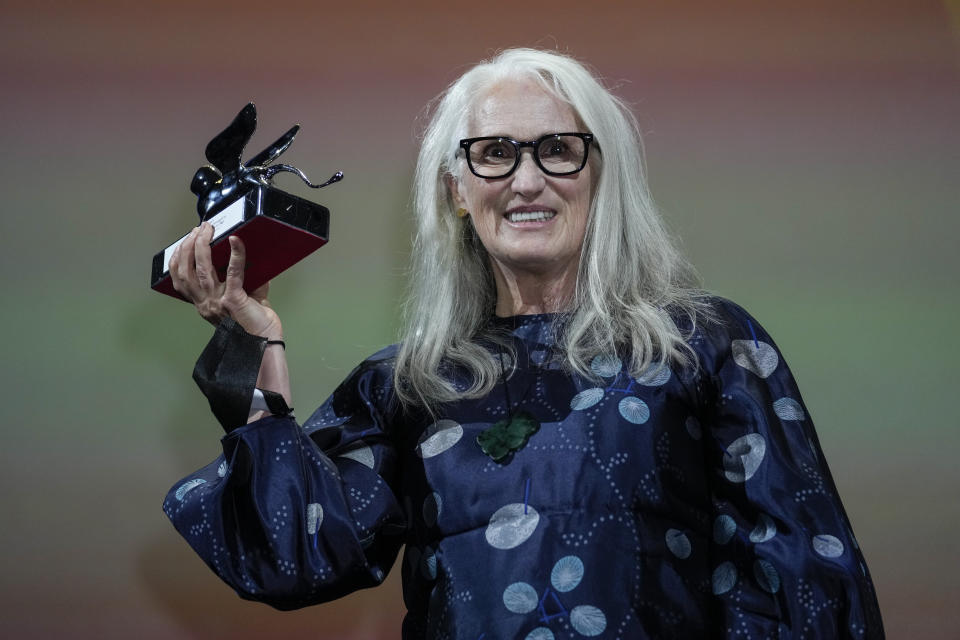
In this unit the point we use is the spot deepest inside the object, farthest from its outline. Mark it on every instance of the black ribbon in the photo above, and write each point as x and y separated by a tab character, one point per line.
227	371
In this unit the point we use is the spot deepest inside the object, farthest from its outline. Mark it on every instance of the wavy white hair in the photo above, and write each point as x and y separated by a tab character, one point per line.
632	281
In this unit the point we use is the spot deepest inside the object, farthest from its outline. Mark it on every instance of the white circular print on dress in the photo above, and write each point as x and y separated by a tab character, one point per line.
757	357
510	527
634	410
655	376
432	506
439	437
520	597
678	543
187	487
586	399
314	517
765	529
588	620
743	457
566	574
606	365
766	576
724	578
363	455
788	409
828	546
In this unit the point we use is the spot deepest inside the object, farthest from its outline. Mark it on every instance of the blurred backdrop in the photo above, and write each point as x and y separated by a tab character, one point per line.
805	151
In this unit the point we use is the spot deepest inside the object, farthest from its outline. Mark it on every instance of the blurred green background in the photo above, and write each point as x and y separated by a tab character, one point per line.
806	152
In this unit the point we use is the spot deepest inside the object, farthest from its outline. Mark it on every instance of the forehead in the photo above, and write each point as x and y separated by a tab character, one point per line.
520	109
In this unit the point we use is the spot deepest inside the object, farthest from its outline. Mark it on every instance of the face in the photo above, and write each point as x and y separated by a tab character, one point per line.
550	242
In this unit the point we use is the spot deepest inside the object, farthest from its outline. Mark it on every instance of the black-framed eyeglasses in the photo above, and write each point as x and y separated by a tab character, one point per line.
557	154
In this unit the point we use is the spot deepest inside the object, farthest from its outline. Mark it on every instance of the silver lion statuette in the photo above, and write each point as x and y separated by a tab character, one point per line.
227	178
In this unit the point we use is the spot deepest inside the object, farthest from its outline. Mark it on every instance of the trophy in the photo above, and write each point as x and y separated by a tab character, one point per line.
277	228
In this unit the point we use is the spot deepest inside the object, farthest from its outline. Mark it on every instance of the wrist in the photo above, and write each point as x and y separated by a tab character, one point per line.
271	330
273	333
258	320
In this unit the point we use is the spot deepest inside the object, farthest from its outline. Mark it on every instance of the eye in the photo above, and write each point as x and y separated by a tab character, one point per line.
496	150
554	148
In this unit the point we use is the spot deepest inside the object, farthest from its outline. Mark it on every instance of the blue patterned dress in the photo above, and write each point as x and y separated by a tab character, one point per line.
685	503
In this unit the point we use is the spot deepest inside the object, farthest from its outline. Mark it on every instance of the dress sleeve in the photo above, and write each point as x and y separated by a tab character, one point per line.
292	515
784	559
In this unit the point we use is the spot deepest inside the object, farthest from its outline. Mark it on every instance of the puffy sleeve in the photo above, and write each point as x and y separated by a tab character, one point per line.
292	515
784	559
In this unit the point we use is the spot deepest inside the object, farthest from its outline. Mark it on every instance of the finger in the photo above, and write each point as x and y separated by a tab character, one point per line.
172	268
185	264
206	275
238	258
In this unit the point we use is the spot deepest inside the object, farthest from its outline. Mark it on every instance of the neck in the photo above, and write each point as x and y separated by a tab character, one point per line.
522	293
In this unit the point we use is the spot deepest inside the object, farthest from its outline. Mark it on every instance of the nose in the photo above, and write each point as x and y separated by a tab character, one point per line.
528	179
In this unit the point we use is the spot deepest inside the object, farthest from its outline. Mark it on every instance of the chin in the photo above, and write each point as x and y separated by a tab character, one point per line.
534	261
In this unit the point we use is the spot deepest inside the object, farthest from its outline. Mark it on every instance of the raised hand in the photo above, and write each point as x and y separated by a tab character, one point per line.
195	278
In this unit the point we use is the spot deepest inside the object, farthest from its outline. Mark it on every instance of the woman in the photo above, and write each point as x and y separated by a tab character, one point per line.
571	439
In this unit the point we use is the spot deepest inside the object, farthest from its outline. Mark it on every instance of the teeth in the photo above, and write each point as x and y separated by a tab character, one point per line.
526	216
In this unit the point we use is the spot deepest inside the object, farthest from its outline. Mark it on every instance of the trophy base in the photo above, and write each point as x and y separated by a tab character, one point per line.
278	230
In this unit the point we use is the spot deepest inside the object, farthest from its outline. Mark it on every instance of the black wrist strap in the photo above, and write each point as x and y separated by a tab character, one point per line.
226	373
275	402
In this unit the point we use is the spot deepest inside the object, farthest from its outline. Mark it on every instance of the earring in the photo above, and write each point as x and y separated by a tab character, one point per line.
462	213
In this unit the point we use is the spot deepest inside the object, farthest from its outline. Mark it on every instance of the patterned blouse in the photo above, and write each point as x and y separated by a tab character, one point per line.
684	503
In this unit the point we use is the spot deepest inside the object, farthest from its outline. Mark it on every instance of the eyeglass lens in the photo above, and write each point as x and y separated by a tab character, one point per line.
556	154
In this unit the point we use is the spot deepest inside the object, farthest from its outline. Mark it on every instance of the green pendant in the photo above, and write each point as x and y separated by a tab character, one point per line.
508	435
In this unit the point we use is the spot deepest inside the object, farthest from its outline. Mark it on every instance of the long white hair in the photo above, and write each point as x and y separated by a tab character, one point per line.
632	281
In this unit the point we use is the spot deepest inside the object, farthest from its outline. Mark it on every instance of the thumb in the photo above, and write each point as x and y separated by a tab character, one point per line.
238	259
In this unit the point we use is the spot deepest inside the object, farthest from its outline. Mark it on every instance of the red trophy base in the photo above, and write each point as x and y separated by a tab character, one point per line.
278	230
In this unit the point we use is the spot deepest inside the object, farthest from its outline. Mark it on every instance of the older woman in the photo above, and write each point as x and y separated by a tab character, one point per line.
571	439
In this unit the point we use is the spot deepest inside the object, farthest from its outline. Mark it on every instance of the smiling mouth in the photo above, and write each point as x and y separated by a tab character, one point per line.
530	216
